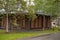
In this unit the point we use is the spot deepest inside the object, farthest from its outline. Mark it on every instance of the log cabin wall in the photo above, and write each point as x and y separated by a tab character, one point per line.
37	23
19	21
34	24
22	23
26	22
11	19
47	22
40	21
4	22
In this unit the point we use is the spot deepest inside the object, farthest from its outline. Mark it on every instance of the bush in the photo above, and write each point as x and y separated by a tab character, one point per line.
55	28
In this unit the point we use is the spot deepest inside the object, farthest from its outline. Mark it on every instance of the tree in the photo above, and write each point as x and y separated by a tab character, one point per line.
30	8
12	6
47	6
17	6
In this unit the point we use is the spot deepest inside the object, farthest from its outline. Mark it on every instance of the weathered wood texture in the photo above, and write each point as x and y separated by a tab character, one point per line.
38	23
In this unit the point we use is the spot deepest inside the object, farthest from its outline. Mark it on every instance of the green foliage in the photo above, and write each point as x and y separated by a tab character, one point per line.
13	5
55	28
31	12
14	23
18	6
47	6
1	4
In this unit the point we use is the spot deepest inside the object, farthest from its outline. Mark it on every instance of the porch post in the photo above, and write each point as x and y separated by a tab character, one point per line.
43	22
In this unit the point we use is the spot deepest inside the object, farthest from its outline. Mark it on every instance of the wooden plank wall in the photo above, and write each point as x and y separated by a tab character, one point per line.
22	23
4	22
40	21
37	23
48	22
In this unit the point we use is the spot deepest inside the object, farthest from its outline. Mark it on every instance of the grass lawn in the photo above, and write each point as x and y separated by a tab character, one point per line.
13	36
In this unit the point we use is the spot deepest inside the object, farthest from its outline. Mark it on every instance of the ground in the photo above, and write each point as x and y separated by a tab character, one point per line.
19	35
54	36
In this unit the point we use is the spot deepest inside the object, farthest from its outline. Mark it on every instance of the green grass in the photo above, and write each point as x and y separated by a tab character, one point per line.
13	36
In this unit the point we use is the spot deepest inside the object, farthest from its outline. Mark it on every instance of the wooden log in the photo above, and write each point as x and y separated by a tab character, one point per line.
44	22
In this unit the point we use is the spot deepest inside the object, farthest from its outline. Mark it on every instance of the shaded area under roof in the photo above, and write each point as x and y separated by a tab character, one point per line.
39	13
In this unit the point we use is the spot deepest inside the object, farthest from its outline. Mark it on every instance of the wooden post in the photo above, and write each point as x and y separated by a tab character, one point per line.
50	23
2	21
43	22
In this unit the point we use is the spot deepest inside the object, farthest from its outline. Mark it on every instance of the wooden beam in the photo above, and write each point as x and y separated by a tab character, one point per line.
43	22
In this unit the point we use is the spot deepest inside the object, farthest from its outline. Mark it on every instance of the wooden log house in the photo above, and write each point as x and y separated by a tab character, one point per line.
42	21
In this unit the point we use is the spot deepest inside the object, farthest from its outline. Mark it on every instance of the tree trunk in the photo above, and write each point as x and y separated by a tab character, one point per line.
7	29
6	9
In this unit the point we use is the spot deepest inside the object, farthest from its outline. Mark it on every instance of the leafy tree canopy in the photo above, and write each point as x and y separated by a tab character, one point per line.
47	6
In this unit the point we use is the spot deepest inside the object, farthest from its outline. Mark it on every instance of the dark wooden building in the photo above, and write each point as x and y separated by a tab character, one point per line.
42	21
